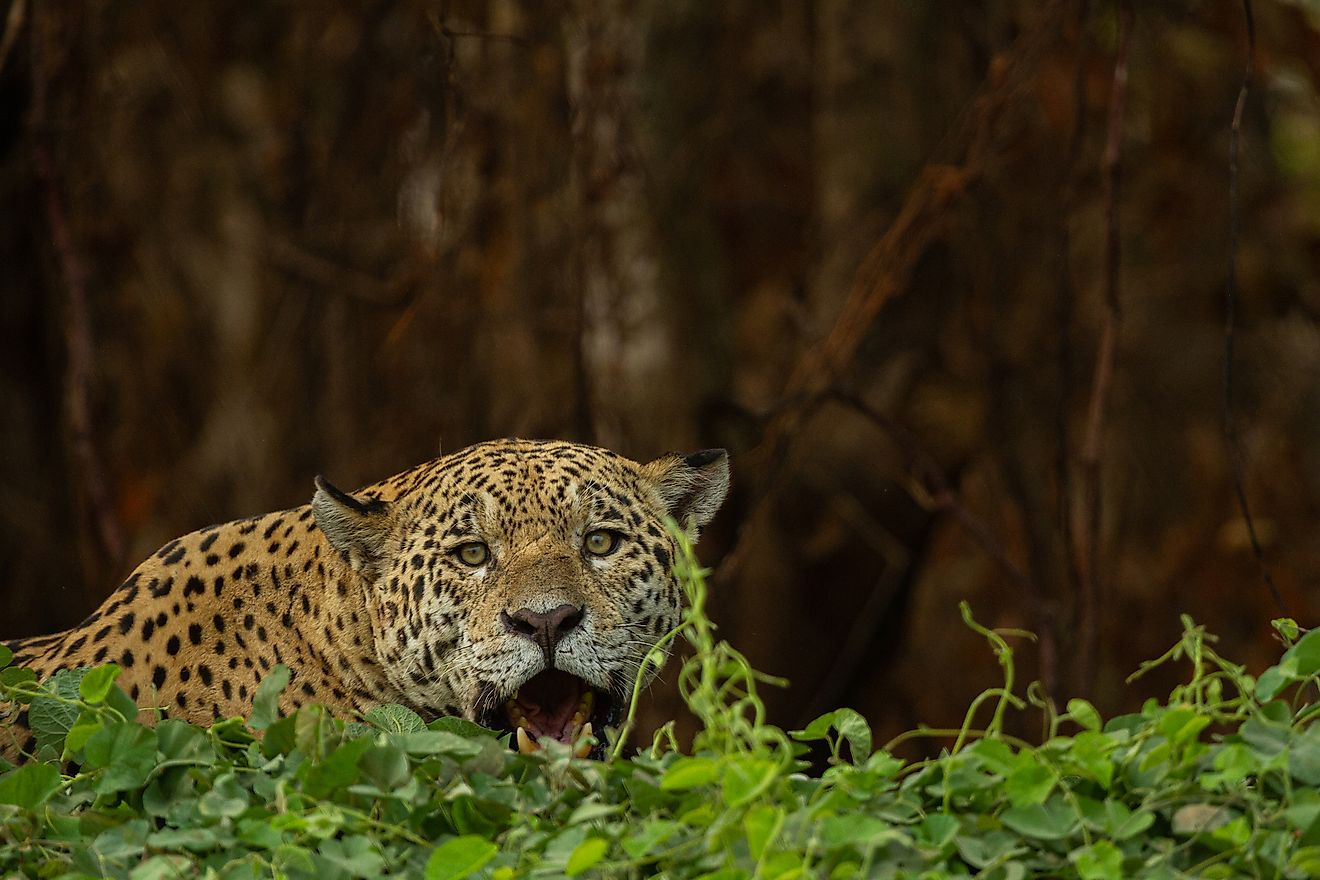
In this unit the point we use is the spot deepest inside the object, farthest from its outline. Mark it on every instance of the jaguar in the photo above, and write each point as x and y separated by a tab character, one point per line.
516	583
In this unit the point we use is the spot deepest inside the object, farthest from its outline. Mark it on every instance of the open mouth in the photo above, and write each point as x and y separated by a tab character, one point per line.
560	706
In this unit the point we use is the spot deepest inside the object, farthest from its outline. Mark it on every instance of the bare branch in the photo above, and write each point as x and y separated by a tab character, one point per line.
1231	433
1106	354
79	344
13	24
1064	308
886	270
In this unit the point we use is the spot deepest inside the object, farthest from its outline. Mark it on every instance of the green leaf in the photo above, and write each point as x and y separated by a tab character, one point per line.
760	825
1287	629
96	684
1091	752
266	702
460	726
854	729
747	777
180	741
440	742
127	753
1231	835
688	773
1182	725
30	786
587	854
87	724
1121	823
995	754
1304	757
1272	681
651	835
938	829
338	770
854	829
1052	820
6	656
1306	654
15	676
1099	861
355	856
1084	713
393	718
51	717
225	799
1306	861
1030	784
993	848
459	857
592	811
1265	738
163	868
122	841
122	703
195	839
851	726
385	767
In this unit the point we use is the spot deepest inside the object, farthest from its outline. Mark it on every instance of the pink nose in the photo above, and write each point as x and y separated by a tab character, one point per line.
546	628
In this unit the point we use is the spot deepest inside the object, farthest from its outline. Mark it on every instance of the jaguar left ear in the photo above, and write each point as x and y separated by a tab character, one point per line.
355	527
692	487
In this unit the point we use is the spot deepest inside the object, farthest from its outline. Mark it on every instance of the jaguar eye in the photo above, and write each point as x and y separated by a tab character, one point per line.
473	553
601	542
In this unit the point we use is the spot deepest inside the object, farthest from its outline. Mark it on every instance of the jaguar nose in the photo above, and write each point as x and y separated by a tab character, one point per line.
545	628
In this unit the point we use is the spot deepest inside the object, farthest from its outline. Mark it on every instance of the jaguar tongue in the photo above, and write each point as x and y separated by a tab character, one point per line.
553	704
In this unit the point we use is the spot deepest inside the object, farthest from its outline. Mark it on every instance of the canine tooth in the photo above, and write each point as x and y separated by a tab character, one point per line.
526	745
577	720
584	745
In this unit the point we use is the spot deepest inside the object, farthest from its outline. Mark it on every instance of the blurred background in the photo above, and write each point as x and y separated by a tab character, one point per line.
948	279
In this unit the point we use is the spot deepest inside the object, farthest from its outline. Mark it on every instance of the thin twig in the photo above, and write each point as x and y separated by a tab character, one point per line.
77	327
1064	306
289	256
1107	352
886	270
13	24
943	497
1231	434
437	22
864	637
939	498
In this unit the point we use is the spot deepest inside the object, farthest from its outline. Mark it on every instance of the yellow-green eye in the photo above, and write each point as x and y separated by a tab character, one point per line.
601	542
473	553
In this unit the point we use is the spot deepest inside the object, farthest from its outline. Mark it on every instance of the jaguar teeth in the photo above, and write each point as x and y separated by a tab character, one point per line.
584	746
526	745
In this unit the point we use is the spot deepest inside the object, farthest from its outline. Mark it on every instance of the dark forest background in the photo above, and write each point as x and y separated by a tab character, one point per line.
949	279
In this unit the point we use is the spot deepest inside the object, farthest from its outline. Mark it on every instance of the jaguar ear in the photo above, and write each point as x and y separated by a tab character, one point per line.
355	527
692	487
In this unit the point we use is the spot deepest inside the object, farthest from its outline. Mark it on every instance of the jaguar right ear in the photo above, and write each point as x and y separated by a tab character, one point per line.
692	487
355	527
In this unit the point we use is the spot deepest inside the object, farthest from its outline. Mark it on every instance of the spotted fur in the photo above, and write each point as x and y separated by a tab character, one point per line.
366	600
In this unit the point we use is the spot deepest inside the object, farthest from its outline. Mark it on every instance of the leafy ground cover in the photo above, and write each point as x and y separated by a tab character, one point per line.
1219	780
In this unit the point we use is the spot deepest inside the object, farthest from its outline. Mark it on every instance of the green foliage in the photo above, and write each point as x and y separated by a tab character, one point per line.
1220	780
